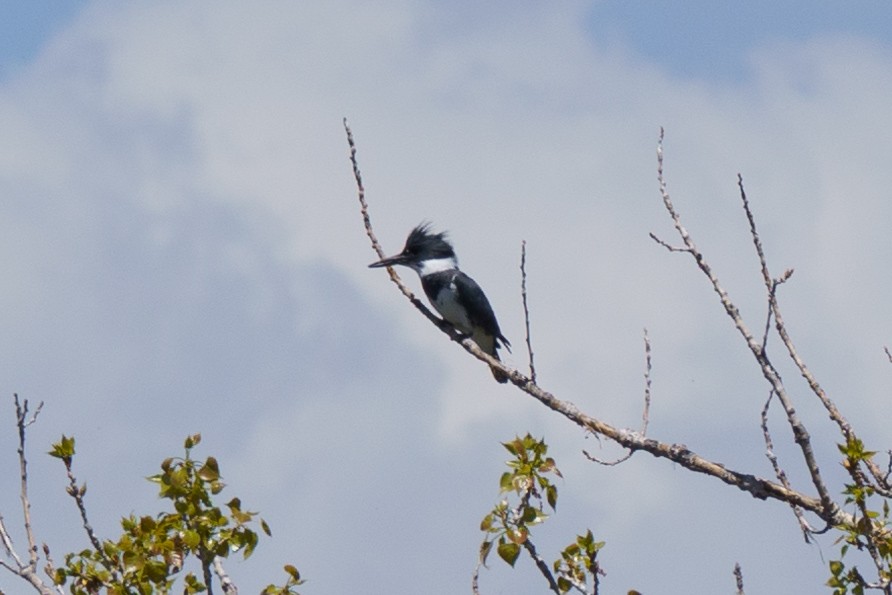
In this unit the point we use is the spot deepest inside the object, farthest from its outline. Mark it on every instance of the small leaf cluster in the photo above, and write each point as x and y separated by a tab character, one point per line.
152	550
508	526
528	489
293	581
578	560
870	530
64	450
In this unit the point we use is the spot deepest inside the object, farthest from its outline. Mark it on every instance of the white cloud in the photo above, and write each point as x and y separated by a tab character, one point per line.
181	241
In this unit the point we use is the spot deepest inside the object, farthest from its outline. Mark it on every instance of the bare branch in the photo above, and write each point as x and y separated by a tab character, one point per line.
845	427
542	566
50	567
770	373
667	245
27	571
78	492
22	422
526	309
760	488
645	415
779	472
648	367
7	544
226	583
738	578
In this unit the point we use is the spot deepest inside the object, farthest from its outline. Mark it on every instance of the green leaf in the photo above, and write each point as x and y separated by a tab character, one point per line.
191	539
265	528
63	449
551	495
146	524
485	548
292	571
210	471
506	481
251	544
509	552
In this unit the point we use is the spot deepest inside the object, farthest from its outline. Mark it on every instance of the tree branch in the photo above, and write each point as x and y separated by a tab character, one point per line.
835	415
77	492
526	310
27	571
226	583
645	415
757	487
800	434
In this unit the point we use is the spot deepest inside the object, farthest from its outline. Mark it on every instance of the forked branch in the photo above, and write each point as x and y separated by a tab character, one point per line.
15	563
823	507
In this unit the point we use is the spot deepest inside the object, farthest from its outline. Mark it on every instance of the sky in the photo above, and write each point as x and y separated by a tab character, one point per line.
181	251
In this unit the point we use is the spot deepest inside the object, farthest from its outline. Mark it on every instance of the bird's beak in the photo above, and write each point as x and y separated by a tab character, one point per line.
389	261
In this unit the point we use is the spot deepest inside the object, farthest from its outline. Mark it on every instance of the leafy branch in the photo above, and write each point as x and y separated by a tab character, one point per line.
528	489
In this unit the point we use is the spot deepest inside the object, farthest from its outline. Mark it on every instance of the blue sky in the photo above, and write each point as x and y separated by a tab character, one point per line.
699	39
182	252
712	40
26	26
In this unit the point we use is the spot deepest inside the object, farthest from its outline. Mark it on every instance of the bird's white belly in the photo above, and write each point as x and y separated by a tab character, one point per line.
452	312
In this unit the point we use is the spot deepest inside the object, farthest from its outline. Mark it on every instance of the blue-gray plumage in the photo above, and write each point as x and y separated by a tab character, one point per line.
457	297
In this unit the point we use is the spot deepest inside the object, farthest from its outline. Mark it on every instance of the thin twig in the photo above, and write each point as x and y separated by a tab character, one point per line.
526	309
778	471
645	415
7	543
27	571
358	177
648	367
738	578
667	245
50	568
22	422
78	492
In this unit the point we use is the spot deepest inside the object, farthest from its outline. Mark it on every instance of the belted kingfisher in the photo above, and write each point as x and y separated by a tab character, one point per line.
457	297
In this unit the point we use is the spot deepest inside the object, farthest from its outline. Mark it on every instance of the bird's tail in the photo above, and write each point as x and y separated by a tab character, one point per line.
500	376
490	345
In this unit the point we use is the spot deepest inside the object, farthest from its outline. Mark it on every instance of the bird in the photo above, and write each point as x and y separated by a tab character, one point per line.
456	296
